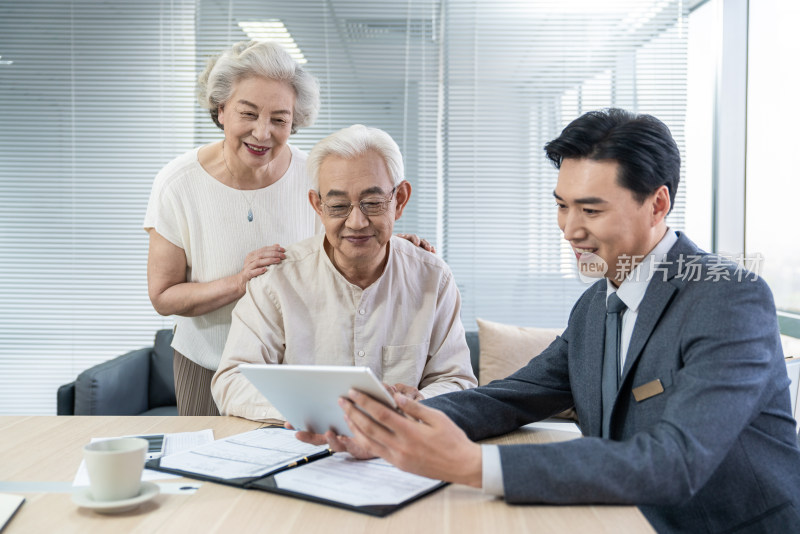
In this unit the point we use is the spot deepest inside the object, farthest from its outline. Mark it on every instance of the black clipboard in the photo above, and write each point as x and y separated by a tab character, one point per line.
267	483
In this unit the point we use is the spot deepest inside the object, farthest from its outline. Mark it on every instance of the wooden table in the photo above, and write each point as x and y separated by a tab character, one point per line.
49	449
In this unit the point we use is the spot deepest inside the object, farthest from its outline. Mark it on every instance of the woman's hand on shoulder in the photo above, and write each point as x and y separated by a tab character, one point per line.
418	241
172	294
256	263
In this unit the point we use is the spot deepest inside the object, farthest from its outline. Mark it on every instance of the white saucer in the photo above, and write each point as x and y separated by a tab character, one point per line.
83	497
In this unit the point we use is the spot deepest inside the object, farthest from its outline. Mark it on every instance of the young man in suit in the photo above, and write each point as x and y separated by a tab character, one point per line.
673	363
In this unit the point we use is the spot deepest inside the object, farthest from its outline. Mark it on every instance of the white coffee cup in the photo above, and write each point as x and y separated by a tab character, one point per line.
115	468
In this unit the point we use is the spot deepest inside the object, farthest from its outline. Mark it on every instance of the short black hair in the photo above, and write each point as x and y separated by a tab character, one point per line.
642	145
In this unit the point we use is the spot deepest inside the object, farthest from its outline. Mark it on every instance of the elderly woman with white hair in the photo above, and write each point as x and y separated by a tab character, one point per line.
218	213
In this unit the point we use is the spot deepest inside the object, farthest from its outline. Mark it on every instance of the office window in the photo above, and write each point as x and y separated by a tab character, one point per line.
96	98
99	96
515	74
701	72
773	184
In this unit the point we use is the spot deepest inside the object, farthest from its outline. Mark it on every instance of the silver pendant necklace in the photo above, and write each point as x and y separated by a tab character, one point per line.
249	206
247	199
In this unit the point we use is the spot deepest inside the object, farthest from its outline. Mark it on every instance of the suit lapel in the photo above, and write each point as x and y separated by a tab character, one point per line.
659	293
655	302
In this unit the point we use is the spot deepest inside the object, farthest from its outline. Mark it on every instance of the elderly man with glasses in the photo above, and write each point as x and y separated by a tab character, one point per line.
354	295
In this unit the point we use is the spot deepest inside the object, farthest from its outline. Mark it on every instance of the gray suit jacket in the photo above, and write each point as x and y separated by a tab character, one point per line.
716	451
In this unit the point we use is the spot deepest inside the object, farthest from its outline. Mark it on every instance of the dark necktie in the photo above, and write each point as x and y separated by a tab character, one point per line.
611	358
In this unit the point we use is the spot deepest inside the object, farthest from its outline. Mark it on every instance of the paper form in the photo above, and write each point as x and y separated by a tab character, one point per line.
344	479
250	454
560	425
184	441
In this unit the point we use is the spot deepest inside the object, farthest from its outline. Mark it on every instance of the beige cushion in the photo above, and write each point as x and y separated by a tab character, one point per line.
506	348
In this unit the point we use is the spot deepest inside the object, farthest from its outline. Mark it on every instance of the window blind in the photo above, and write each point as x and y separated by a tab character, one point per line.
97	99
516	73
99	96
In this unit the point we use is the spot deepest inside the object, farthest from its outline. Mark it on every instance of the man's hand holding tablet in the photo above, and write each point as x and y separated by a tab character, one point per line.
308	398
339	443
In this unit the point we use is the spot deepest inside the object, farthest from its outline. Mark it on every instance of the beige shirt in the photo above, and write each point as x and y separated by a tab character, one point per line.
406	326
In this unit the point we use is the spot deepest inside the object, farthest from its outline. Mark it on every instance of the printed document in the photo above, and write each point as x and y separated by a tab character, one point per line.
344	479
251	454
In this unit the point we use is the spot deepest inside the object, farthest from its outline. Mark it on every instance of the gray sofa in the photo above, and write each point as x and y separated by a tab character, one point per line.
142	382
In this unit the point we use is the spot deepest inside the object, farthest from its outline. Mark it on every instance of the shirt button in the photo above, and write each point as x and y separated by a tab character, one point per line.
361	353
362	311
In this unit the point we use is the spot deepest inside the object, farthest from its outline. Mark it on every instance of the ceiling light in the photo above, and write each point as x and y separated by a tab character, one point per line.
273	30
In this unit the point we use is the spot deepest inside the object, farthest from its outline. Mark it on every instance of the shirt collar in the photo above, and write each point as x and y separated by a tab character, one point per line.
325	245
631	291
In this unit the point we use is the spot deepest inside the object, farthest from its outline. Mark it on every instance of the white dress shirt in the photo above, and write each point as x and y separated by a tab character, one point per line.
631	292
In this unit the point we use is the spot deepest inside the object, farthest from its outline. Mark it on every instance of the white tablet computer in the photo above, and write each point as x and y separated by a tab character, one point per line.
308	395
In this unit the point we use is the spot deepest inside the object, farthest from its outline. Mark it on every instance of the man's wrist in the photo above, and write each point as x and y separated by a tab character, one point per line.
492	472
473	464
